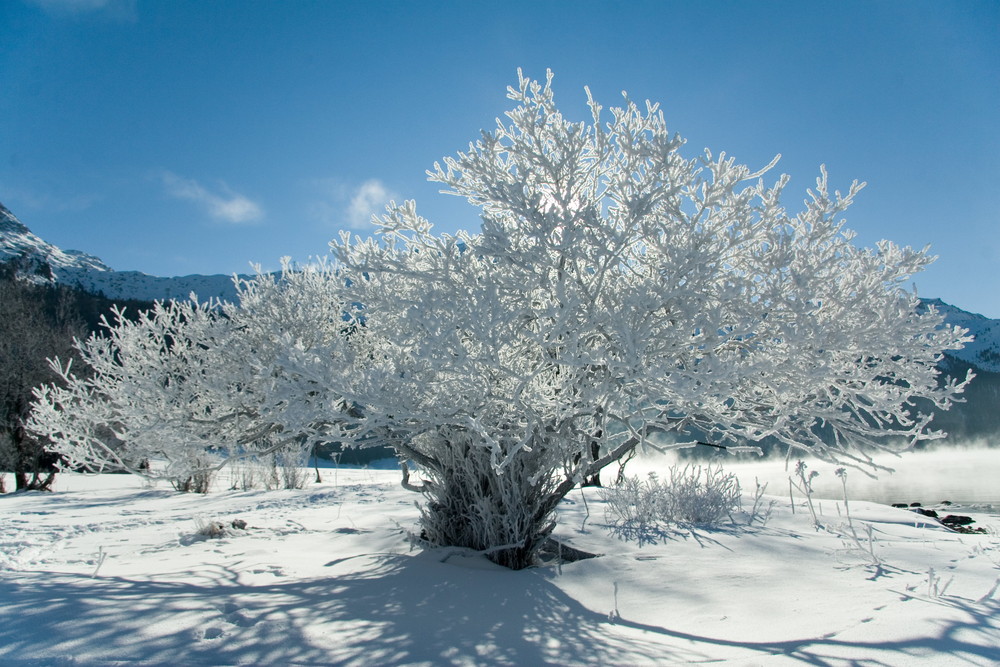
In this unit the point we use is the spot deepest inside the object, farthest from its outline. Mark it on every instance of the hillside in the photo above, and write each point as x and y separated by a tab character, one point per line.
38	261
19	244
984	351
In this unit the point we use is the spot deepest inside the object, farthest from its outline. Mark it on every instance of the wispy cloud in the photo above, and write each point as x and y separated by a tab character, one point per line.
351	206
123	10
370	198
224	205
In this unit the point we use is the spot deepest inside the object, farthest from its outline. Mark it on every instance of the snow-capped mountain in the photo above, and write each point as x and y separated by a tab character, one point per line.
144	287
38	261
984	351
18	243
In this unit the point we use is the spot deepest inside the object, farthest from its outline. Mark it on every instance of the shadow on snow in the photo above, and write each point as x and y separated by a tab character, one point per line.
391	609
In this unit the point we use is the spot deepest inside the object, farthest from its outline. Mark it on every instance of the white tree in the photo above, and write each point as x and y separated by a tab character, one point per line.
618	289
189	386
152	387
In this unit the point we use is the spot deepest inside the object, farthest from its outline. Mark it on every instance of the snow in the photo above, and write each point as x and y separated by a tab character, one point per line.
17	240
144	287
78	269
984	350
108	570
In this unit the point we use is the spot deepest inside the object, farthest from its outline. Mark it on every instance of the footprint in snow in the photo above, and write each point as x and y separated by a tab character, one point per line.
240	618
229	608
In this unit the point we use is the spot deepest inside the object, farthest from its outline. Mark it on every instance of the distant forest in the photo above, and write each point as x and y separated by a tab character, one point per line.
979	417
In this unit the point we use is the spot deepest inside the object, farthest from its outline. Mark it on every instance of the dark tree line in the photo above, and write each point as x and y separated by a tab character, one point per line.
37	322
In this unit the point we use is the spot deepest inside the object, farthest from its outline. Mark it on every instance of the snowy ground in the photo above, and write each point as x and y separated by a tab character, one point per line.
107	571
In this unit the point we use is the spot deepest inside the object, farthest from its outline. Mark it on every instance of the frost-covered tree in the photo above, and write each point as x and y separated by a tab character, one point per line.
617	289
151	387
186	387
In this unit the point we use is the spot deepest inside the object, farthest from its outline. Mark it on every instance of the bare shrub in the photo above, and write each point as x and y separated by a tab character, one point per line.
702	495
690	495
198	477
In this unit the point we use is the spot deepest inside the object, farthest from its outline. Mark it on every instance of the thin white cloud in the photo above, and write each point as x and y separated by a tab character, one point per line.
342	205
369	199
226	205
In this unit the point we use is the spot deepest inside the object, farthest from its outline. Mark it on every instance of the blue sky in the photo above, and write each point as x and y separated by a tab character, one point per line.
180	137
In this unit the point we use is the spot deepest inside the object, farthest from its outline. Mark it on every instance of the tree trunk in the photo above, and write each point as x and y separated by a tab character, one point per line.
469	505
595	453
33	481
502	515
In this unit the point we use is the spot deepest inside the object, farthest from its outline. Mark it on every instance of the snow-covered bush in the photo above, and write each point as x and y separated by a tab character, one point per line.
285	468
702	495
153	388
636	502
199	478
691	494
618	289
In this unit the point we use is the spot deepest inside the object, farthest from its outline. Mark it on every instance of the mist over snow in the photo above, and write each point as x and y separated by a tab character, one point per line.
964	473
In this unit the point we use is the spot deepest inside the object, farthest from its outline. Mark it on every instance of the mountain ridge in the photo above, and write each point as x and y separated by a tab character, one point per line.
19	242
39	261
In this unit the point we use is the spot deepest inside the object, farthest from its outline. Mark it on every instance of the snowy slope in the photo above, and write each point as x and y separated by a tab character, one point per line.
144	287
39	261
106	571
984	351
17	241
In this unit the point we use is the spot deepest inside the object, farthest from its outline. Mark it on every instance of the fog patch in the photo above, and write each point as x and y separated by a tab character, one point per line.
967	474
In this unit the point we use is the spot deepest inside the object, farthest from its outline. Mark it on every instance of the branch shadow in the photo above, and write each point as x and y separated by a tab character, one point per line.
645	533
387	609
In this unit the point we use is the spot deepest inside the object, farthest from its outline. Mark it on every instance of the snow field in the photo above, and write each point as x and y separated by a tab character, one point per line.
109	571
